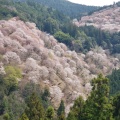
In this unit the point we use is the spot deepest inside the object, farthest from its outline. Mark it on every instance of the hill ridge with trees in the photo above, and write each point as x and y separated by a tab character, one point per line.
72	10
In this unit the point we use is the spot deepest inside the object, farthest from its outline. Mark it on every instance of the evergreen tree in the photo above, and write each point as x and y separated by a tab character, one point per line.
46	94
50	113
35	110
76	110
61	111
45	98
24	117
114	81
97	106
64	38
116	105
62	117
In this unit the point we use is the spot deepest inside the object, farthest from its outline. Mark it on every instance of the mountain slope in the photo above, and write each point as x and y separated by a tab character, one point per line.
47	19
46	62
30	11
70	9
106	19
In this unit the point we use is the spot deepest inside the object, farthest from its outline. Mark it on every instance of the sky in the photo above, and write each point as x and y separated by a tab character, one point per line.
94	2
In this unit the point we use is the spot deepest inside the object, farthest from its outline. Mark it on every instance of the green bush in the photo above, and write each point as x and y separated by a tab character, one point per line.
11	77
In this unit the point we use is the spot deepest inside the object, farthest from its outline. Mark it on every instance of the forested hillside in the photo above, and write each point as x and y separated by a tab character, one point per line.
30	55
105	39
42	79
44	17
53	22
107	19
70	9
114	82
103	27
99	105
48	20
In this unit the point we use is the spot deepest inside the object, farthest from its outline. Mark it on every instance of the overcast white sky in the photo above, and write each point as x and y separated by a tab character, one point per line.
95	2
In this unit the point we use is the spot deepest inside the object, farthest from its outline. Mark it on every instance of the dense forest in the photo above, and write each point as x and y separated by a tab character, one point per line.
99	105
31	11
114	82
54	22
70	9
104	7
14	100
104	39
29	101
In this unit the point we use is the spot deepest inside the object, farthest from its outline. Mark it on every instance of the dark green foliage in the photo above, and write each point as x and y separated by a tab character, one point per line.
2	94
62	117
114	81
45	18
71	116
116	105
61	111
51	25
14	105
104	39
70	9
97	106
45	98
61	108
39	14
35	110
6	12
71	29
64	38
76	111
30	88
